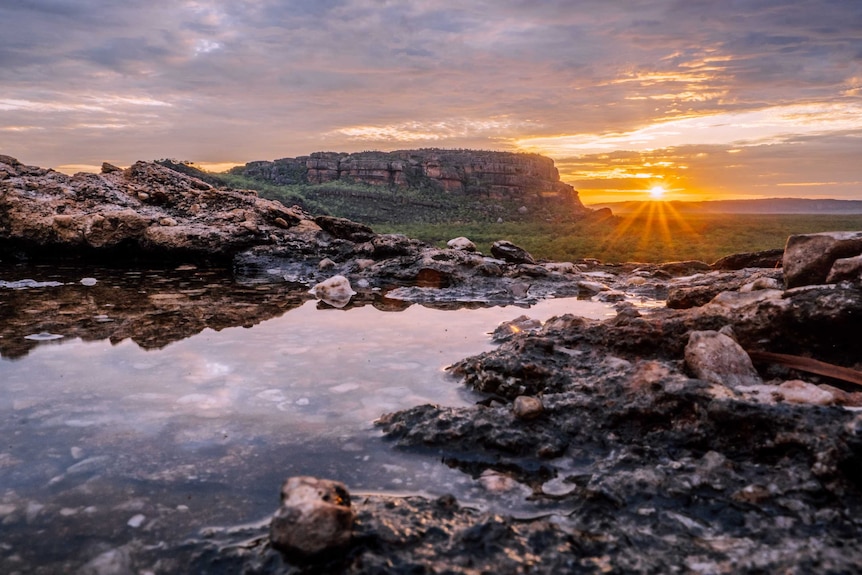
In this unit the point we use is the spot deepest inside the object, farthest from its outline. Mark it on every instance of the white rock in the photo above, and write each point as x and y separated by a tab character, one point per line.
89	281
461	243
335	291
798	391
136	520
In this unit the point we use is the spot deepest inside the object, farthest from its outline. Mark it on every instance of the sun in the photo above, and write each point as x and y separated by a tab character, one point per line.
657	192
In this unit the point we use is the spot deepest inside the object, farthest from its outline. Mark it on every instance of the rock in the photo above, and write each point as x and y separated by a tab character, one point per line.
561	267
526	407
763	259
798	391
335	291
112	562
808	258
511	253
109	168
461	243
315	519
845	269
325	264
717	358
46	212
344	229
592	287
393	245
761	284
688	297
685	267
520	324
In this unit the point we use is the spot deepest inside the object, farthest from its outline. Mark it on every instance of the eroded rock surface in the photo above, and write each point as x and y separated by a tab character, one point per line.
145	209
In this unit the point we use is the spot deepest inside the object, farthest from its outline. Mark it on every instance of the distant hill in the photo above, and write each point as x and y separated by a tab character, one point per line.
423	185
764	206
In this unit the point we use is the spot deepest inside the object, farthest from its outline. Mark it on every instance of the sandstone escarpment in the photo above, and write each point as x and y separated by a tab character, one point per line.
526	179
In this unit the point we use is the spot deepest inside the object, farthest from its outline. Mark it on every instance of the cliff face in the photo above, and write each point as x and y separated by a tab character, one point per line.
527	179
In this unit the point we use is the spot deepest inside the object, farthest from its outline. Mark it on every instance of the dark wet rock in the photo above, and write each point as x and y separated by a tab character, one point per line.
315	518
808	258
345	229
762	259
511	253
715	357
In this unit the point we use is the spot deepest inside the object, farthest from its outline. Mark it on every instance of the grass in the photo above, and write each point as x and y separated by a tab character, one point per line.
658	236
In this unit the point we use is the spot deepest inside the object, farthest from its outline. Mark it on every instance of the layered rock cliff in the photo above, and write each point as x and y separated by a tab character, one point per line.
528	180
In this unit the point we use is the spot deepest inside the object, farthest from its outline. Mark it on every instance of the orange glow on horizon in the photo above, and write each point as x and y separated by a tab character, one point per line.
664	231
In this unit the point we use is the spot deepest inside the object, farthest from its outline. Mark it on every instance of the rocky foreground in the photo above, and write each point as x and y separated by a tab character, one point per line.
720	433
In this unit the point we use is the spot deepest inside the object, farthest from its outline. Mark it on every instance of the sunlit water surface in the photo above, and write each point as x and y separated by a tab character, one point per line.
104	442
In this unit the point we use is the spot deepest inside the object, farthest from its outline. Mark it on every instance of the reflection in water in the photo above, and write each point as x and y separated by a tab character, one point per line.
128	429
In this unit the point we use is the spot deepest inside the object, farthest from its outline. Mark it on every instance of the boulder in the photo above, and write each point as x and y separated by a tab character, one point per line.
715	357
808	258
845	269
461	243
761	259
314	521
335	291
511	253
345	229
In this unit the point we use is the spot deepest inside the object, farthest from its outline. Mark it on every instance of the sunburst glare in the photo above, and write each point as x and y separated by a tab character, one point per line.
660	231
657	192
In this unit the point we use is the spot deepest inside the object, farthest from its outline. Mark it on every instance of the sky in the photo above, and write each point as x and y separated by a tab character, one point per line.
702	99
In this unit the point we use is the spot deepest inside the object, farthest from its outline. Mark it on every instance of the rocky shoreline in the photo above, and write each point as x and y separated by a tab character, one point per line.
721	433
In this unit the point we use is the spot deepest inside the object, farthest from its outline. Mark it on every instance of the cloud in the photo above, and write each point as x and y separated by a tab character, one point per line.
83	81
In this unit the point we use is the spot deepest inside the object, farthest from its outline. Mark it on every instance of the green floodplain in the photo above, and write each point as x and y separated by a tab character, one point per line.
660	235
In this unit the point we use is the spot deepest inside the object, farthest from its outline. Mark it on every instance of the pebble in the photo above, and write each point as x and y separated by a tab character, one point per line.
89	281
526	407
136	520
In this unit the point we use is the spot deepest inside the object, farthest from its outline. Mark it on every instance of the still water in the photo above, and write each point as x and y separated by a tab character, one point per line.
112	432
